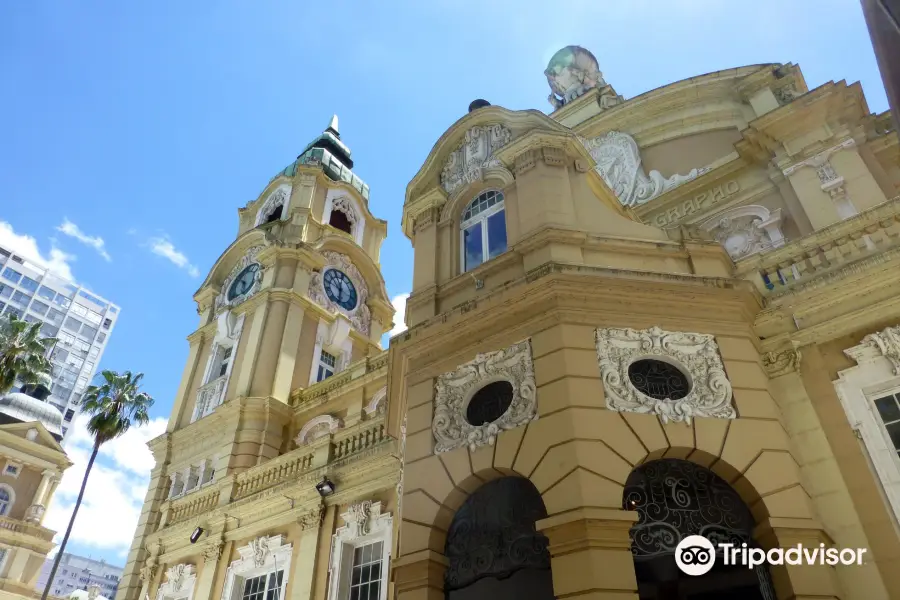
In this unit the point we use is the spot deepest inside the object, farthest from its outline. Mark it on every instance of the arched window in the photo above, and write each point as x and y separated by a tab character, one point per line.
339	220
275	214
483	230
6	500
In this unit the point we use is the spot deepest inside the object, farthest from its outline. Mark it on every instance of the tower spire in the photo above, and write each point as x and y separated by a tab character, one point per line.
333	126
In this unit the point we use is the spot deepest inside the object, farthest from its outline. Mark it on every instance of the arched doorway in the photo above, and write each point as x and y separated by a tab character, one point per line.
493	548
675	499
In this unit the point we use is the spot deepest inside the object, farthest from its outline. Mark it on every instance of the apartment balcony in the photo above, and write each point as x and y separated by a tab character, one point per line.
300	468
209	397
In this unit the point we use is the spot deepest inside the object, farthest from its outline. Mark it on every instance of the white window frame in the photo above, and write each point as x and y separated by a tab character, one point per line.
858	387
12	499
357	219
365	524
179	585
16	466
341	352
324	366
262	556
481	217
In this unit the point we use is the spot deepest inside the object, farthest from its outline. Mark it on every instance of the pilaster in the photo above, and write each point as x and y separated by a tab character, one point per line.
287	357
799	582
190	369
590	553
307	557
251	352
212	554
419	576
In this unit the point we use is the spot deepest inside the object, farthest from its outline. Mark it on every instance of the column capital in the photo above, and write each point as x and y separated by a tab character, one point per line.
781	362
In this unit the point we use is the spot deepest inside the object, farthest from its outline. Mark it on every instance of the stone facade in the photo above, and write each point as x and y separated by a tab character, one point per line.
732	320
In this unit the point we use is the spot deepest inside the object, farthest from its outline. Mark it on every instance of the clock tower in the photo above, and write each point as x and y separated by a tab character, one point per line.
292	308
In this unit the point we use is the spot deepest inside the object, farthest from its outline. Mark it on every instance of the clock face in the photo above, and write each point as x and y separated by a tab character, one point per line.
340	289
243	282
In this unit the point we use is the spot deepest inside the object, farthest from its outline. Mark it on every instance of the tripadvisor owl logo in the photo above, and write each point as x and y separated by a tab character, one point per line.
696	555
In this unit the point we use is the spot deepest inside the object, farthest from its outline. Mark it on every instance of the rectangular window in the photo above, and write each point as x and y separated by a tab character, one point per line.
365	578
94	317
46	293
28	283
101	338
264	587
88	332
59	355
62	301
94	352
11	275
326	366
69	414
113	309
5	291
55	316
472	247
72	324
223	364
11	310
107	323
66	338
88	366
39	308
48	330
496	230
80	310
889	410
21	299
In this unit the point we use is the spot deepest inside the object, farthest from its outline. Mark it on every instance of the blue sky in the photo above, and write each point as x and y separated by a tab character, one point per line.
146	125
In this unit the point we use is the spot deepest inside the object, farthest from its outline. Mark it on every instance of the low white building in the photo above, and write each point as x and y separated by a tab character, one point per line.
80	573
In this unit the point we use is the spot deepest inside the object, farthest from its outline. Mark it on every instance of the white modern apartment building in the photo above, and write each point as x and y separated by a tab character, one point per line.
80	320
79	573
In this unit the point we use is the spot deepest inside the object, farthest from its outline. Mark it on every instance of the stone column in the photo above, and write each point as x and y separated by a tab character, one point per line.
590	552
305	555
287	356
798	582
37	508
212	553
419	576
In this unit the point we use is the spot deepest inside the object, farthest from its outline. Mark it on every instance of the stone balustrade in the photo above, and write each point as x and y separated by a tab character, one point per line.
17	526
285	467
359	439
871	237
194	504
209	396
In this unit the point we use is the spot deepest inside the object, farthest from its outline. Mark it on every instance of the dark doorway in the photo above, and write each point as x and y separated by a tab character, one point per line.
675	499
494	550
339	220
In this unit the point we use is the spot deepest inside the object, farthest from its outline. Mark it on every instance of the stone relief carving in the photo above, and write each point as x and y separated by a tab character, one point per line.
828	177
259	548
213	552
618	161
260	552
249	257
475	153
571	72
316	428
148	572
276	198
362	519
376	405
312	519
344	205
453	391
179	578
887	342
696	354
746	230
781	363
361	316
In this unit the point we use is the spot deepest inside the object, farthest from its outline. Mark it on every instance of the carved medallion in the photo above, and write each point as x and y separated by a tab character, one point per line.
696	354
360	316
454	391
475	153
249	258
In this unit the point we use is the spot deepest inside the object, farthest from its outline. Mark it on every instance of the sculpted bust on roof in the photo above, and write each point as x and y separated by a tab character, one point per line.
571	72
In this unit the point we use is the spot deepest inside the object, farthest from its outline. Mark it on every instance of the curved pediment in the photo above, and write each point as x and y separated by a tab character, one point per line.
368	270
223	266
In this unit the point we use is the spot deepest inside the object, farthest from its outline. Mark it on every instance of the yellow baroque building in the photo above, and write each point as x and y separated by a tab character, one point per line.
631	321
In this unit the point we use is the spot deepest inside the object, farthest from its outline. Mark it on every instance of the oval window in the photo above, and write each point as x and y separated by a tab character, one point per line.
489	403
659	380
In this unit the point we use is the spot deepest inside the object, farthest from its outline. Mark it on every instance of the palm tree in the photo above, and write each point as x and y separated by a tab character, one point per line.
114	407
23	352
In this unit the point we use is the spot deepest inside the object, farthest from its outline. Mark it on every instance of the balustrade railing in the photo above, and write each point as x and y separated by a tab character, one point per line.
868	235
193	505
209	396
275	471
359	440
17	526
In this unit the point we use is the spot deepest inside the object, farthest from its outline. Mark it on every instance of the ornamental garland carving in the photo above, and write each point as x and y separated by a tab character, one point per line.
361	316
344	205
781	363
618	161
697	354
180	578
213	552
453	391
361	519
312	519
249	257
261	552
475	153
259	549
887	342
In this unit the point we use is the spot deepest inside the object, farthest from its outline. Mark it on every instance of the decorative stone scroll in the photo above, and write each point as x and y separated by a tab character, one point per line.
312	519
257	557
781	363
249	257
455	389
887	342
362	519
316	428
361	316
276	198
618	161
746	230
213	552
695	354
344	205
376	404
475	153
179	583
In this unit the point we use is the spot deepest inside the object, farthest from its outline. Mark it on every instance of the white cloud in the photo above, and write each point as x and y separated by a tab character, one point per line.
58	261
115	491
96	242
399	303
163	247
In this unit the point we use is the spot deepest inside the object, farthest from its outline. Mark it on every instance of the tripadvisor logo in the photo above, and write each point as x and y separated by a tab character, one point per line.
696	555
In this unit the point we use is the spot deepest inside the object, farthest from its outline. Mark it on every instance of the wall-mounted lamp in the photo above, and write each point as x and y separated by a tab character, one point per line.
196	535
325	487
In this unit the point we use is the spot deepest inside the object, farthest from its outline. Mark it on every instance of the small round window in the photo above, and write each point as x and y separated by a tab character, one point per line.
489	403
659	380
